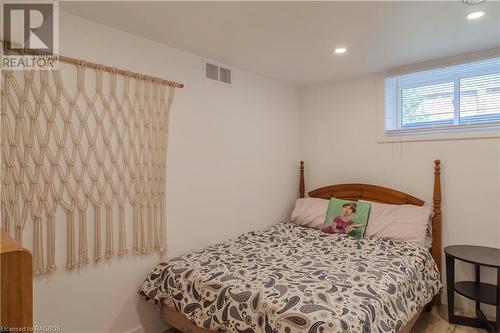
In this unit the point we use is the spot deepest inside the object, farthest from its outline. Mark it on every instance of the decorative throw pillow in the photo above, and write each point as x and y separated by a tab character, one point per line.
349	217
310	212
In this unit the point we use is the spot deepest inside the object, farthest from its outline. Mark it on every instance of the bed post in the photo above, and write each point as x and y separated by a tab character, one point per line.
436	222
302	187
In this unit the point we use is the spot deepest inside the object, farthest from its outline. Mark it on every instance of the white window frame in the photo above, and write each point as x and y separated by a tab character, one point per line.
398	132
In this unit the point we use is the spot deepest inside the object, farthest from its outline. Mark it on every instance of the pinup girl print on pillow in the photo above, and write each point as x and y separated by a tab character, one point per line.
346	217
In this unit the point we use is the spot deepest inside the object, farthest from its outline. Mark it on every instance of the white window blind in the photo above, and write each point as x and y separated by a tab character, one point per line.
458	97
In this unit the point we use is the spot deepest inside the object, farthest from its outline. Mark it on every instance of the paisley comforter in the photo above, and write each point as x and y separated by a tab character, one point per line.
288	278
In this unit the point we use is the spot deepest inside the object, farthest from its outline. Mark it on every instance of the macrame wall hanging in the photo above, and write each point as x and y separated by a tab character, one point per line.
83	153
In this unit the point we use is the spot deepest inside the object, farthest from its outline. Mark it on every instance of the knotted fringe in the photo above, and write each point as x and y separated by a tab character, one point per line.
51	244
142	241
149	234
38	266
156	245
109	232
162	231
19	234
122	237
135	239
97	234
82	242
70	240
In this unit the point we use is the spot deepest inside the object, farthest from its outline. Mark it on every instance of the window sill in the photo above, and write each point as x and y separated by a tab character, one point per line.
440	134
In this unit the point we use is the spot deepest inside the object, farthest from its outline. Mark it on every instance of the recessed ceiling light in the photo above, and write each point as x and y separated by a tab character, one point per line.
340	50
475	15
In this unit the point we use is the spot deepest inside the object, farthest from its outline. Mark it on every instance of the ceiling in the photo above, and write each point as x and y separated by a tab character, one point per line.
293	41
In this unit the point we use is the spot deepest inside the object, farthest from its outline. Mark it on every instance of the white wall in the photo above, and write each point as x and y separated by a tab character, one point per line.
232	167
339	144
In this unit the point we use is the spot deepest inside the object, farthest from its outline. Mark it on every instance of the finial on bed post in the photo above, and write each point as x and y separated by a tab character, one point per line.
302	187
436	221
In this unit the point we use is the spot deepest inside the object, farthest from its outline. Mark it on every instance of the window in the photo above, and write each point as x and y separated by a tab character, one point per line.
458	97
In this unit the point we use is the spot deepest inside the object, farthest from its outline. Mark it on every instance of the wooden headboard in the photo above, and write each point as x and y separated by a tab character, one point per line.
386	195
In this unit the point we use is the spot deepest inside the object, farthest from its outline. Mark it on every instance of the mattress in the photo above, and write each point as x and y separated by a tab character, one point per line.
288	278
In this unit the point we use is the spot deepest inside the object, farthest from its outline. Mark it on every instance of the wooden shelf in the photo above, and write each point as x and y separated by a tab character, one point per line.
482	292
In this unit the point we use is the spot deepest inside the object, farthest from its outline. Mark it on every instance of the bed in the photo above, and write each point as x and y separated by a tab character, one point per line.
288	278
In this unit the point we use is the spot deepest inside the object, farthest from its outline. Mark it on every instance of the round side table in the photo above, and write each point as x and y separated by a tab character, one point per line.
478	291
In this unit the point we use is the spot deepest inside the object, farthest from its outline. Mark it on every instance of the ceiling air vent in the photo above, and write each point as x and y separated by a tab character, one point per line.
216	73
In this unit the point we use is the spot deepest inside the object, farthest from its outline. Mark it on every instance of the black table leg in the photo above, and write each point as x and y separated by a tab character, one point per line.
498	301
450	287
477	269
489	326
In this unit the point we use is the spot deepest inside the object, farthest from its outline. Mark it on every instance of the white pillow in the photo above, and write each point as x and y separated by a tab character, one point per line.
407	223
310	212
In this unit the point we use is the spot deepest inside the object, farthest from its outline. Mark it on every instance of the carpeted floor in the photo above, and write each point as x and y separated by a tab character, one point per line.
433	322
